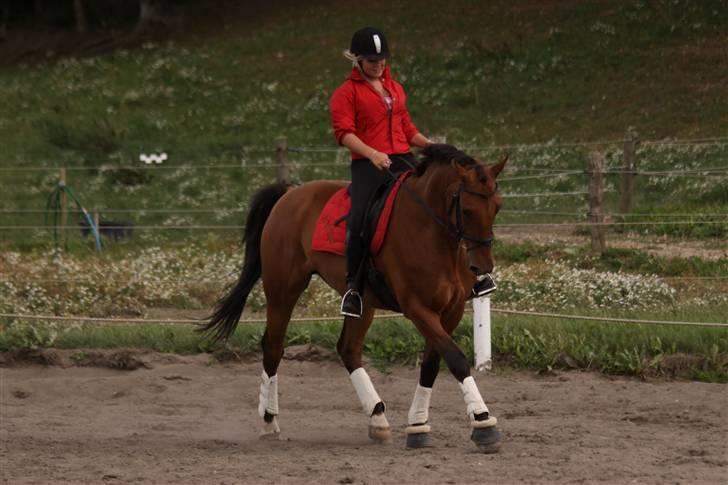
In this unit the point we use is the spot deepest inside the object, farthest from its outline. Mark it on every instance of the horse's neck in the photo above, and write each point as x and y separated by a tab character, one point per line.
432	188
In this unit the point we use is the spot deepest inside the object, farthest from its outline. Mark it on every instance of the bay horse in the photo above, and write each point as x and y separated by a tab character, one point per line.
438	242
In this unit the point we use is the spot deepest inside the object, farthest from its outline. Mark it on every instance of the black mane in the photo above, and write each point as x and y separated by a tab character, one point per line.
442	154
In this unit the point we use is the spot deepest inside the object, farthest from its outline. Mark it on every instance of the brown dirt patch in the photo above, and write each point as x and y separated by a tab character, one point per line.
188	420
663	246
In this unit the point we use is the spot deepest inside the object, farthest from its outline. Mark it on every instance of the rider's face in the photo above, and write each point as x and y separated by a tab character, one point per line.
372	67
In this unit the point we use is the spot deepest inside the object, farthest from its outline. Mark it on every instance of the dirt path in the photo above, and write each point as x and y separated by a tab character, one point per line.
663	246
184	420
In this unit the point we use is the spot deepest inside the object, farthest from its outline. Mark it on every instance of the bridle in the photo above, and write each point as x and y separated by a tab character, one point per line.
458	230
456	207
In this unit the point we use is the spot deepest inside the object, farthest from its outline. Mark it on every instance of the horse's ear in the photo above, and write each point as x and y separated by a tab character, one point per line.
496	169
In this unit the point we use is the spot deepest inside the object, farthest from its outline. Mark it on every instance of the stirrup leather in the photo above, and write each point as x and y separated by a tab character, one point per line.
351	304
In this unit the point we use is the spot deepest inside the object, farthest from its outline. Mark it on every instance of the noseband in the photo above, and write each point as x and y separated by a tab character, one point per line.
459	230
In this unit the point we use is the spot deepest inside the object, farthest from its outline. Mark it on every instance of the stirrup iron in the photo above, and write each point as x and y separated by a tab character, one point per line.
351	304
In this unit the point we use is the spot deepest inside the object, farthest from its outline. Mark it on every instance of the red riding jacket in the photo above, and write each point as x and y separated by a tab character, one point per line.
357	108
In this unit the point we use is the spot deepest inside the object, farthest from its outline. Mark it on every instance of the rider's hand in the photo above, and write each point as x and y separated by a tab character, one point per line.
380	160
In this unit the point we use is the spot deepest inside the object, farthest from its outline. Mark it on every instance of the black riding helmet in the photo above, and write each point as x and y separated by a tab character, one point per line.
369	42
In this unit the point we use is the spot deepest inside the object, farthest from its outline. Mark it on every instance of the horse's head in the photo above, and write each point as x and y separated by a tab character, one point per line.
475	203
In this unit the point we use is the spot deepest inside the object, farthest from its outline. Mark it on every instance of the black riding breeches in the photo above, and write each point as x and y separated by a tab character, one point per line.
365	179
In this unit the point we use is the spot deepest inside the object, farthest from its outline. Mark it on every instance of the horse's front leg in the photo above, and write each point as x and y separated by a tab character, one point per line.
418	429
484	432
350	345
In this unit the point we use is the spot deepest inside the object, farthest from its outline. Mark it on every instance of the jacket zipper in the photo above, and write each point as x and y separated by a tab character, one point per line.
391	135
389	113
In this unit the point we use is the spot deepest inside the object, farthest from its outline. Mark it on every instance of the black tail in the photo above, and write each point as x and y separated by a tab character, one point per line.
228	309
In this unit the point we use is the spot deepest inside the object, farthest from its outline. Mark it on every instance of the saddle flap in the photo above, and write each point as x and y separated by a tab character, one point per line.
330	232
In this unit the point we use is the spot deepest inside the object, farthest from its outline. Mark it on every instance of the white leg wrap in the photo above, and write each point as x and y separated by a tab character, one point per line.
379	421
419	409
365	390
473	399
268	397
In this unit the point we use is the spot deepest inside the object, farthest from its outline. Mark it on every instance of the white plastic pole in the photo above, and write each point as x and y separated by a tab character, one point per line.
481	333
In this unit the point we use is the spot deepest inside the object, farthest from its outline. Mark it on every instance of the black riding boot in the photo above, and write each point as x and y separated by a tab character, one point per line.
484	286
351	303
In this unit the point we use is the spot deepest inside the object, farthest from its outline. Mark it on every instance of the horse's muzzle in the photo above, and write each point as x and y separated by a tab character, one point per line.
478	271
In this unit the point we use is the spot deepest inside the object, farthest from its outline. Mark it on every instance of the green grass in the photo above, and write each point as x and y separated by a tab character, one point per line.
480	73
535	343
483	74
637	261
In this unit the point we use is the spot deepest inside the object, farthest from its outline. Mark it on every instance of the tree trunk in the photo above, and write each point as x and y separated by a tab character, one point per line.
38	13
148	11
4	19
595	166
80	16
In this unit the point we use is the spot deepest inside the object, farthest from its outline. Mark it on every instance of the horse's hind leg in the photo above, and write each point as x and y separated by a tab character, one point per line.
350	345
281	298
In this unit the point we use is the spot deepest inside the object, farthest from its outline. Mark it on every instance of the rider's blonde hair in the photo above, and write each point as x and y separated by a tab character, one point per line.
355	60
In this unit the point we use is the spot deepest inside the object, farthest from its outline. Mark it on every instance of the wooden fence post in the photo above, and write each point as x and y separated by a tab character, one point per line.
96	222
64	205
596	197
629	171
282	167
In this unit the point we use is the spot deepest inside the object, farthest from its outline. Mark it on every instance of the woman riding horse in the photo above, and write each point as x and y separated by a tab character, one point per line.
448	206
370	118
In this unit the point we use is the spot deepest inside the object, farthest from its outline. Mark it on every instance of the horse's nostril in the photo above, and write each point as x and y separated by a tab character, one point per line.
475	269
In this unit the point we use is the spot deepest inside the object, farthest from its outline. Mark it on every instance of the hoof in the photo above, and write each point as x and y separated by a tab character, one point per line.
486	439
379	428
270	430
418	436
381	435
419	440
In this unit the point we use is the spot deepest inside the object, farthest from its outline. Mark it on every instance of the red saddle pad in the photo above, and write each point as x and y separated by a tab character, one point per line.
330	237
